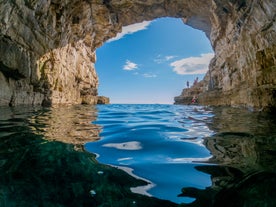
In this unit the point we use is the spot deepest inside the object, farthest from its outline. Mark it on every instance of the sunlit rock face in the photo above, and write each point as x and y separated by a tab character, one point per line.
47	47
243	70
47	51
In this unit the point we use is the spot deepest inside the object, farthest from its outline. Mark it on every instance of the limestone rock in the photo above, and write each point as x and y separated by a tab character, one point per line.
89	100
188	94
103	100
47	48
95	100
243	70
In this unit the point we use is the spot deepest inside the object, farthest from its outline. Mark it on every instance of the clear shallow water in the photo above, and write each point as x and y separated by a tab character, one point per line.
211	157
159	143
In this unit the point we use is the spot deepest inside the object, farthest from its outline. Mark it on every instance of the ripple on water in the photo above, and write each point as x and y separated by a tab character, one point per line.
159	143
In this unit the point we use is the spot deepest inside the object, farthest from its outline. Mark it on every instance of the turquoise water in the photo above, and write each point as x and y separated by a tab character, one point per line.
189	155
160	143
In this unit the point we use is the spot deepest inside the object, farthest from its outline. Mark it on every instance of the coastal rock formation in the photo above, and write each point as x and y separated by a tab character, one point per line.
48	51
243	69
188	94
47	47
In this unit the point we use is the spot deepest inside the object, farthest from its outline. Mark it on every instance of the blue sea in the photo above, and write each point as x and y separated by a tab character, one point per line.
159	143
189	155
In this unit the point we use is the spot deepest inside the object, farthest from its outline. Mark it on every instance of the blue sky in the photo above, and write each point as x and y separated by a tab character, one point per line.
150	62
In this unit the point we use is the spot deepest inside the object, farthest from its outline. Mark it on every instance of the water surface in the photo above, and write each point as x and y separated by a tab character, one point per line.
160	143
185	152
192	155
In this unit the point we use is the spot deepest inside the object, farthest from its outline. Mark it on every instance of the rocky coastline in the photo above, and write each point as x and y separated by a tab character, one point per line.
47	48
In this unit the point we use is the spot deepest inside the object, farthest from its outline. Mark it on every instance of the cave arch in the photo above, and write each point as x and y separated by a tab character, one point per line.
51	45
143	63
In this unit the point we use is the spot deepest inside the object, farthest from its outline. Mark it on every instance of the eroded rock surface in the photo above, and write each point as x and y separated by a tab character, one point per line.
47	47
243	70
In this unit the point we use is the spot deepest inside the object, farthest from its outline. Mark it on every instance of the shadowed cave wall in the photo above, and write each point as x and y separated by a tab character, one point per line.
47	47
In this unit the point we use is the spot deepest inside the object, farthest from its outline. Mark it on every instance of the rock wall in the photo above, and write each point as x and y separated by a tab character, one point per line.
47	51
243	71
47	47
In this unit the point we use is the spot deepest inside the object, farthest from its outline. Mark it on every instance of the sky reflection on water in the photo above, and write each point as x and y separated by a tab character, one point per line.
43	162
160	143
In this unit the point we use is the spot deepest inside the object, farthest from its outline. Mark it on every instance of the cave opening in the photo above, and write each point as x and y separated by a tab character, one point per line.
152	61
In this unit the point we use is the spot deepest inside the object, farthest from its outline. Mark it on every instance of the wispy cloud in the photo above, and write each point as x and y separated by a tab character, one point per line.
167	58
192	65
130	29
149	75
130	65
161	59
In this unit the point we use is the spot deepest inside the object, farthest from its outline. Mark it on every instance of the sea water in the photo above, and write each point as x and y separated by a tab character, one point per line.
204	156
159	143
197	150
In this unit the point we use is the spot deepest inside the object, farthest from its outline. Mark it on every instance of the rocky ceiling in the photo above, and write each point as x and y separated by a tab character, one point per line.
47	47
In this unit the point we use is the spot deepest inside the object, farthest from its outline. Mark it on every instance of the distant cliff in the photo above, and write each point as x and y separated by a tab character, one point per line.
47	47
243	71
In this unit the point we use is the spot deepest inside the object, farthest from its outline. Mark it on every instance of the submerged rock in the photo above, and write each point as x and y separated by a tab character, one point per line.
40	166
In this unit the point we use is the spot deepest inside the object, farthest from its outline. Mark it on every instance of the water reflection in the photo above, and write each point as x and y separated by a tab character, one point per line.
245	140
67	124
40	166
244	146
42	162
158	143
133	145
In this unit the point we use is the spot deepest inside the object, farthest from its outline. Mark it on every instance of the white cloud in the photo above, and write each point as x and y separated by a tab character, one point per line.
130	29
192	65
169	57
149	75
130	65
160	59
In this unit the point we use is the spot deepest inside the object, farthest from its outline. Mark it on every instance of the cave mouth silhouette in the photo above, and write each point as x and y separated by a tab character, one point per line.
152	61
242	69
